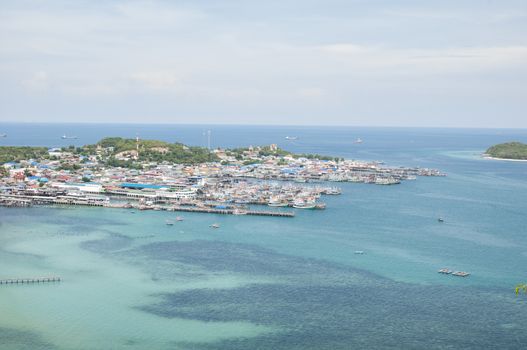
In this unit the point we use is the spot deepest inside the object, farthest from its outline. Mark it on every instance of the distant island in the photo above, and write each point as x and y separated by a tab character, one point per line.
508	150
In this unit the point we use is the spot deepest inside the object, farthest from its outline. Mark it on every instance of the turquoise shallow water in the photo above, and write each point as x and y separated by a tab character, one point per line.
131	282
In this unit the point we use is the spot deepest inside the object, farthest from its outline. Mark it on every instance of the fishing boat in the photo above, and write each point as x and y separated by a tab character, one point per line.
359	252
66	137
332	191
445	271
169	222
292	138
179	218
386	181
440	219
304	204
277	202
460	274
214	225
359	140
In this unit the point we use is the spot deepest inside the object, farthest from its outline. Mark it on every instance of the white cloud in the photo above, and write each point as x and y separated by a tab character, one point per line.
346	49
156	80
390	60
311	92
156	15
38	82
469	15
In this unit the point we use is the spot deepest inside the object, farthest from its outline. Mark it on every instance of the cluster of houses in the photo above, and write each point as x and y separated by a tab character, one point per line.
224	180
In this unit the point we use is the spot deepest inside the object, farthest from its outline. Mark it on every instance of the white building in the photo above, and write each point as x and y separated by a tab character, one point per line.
177	194
88	187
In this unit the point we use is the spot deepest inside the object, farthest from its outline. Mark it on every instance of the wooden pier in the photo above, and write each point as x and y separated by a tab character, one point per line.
228	210
30	280
14	202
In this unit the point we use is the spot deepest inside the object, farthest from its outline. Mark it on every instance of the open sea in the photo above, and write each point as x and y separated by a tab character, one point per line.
132	282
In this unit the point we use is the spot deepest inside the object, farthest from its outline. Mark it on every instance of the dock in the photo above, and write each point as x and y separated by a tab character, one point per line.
30	280
17	200
14	202
209	210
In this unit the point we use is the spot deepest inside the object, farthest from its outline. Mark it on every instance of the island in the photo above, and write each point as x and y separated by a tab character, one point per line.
157	175
508	151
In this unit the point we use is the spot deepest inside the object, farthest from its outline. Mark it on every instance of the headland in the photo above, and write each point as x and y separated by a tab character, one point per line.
157	175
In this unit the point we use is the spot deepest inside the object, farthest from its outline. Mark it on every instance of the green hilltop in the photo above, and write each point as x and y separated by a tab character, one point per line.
18	153
508	150
132	153
152	151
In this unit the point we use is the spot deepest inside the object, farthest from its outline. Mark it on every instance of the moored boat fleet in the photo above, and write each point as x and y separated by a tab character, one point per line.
272	194
252	176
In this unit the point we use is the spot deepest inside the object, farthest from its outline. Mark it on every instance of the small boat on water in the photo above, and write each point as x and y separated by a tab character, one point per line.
440	219
359	140
460	274
292	138
65	137
359	252
333	191
179	218
169	222
215	226
3	135
454	273
386	181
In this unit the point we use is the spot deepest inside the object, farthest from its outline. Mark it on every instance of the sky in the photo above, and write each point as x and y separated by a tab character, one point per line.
444	63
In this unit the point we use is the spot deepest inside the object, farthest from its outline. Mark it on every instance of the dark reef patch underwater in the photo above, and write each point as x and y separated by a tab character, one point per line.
22	340
320	305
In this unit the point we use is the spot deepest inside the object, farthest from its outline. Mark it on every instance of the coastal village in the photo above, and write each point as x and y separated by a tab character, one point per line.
155	175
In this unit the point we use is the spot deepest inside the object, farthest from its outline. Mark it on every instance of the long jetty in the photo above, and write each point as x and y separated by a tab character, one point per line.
30	280
225	211
7	200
